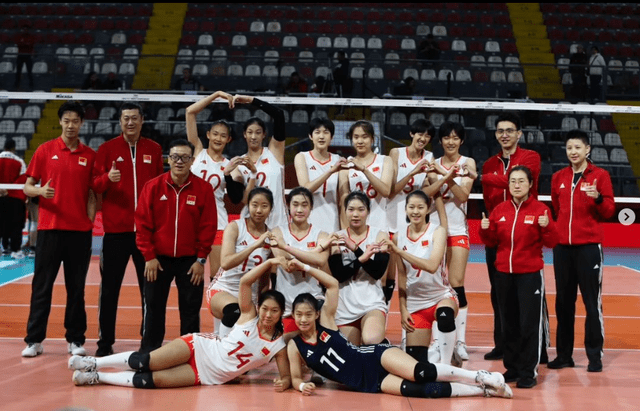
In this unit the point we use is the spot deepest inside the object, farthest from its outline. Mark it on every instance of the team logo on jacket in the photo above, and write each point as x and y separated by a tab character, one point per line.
82	161
55	157
324	337
502	219
146	159
265	351
191	200
163	198
119	159
529	219
562	185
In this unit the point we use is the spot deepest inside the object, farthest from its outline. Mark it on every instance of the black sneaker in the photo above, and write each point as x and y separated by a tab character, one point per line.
104	351
560	363
544	358
595	366
510	376
494	354
526	382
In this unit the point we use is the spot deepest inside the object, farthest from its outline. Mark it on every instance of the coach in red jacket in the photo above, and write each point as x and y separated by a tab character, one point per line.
495	190
518	228
123	166
12	202
582	197
176	222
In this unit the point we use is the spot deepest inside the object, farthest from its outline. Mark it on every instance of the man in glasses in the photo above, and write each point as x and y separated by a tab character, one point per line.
123	165
176	223
495	190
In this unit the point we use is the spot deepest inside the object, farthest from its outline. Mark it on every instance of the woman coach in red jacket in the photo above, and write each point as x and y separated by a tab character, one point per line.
582	197
519	228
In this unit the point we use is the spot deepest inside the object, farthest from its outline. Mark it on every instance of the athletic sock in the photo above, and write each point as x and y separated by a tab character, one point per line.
122	378
216	326
449	373
447	342
461	324
119	361
464	390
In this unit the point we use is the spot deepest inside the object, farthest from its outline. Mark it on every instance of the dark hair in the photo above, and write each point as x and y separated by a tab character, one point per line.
255	120
261	190
9	144
421	194
422	126
301	191
223	123
73	106
317	122
448	127
578	135
305	298
130	106
511	117
182	143
365	125
525	169
278	298
358	195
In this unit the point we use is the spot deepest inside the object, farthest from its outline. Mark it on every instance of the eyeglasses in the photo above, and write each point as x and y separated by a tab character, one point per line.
509	131
175	157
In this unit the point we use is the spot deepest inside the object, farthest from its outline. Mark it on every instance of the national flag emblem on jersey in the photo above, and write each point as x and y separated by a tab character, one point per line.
265	351
203	162
311	244
425	243
264	161
375	169
324	337
146	159
529	219
191	200
82	161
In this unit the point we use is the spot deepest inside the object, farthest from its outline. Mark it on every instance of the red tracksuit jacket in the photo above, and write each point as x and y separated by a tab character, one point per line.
176	221
495	187
515	231
119	199
578	215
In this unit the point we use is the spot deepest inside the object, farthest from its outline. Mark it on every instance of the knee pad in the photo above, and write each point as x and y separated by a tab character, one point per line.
139	361
143	380
230	314
446	319
428	390
425	372
418	352
462	297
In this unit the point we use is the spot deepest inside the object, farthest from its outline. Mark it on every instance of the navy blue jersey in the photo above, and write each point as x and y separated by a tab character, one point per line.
335	358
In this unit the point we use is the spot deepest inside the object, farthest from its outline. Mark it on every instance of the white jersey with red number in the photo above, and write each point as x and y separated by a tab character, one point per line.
229	280
270	175
396	213
325	198
362	293
213	173
424	289
455	209
359	182
298	282
222	360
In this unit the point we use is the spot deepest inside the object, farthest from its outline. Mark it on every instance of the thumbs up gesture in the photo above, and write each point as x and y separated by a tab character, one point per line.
592	190
484	223
543	220
114	173
47	191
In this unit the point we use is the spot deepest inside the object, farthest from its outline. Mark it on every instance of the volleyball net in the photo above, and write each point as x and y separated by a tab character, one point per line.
30	118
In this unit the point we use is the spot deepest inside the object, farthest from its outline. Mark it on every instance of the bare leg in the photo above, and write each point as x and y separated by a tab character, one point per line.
214	261
352	333
373	327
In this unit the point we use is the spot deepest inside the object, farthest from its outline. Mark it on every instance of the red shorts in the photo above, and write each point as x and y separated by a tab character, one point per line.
218	239
289	325
358	323
192	359
458	241
424	318
208	295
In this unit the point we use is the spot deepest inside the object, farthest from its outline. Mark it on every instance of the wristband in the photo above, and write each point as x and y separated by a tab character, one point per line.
301	387
306	268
